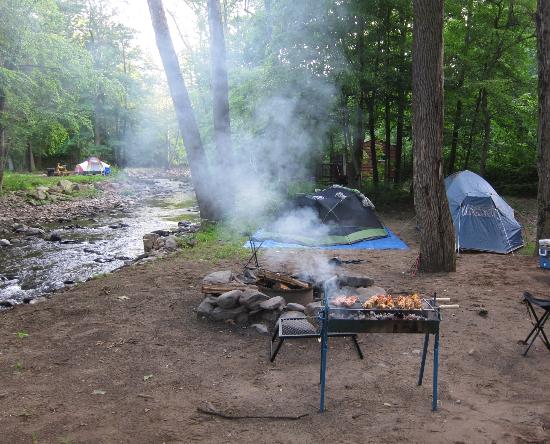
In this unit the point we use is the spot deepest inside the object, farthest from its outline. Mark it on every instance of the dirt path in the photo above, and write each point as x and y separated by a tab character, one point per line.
153	363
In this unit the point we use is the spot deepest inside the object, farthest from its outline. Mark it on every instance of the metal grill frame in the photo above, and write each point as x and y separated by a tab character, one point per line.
330	326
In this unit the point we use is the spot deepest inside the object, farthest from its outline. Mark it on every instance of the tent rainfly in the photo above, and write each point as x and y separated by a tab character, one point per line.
333	216
93	166
482	219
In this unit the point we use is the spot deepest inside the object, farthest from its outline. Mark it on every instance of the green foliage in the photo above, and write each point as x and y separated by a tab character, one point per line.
390	196
215	242
300	74
22	181
21	334
76	85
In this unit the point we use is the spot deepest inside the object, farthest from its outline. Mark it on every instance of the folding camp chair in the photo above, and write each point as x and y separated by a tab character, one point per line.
301	328
538	326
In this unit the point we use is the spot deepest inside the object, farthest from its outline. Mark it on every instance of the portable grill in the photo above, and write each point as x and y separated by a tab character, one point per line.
356	319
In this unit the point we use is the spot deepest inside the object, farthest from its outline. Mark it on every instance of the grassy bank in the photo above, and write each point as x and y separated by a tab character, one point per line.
28	181
215	242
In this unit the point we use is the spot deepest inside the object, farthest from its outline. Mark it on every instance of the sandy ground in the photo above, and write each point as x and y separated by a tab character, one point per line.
151	362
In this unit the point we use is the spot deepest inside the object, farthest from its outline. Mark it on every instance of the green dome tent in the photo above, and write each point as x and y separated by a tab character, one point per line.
335	215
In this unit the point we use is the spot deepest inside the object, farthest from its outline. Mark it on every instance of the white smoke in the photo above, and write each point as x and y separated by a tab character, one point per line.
299	222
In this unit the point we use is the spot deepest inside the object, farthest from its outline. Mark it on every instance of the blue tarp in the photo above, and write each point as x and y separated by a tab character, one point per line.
391	242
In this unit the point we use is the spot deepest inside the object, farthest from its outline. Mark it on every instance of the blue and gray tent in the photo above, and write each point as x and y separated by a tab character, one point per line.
482	219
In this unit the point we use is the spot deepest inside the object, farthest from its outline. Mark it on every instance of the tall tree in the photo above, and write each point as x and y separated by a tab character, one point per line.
457	121
3	150
220	87
437	239
543	55
359	140
186	117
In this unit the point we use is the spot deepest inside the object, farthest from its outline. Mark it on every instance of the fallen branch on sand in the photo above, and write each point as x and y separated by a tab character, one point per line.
211	410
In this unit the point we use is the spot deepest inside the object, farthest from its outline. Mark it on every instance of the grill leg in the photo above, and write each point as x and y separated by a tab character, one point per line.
436	368
357	347
274	353
423	359
324	350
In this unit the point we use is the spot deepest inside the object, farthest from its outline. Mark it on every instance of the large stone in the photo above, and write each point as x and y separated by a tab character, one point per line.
149	241
229	299
171	243
65	185
242	318
4	243
54	236
313	308
82	187
275	303
252	299
295	307
206	307
218	277
270	316
20	228
355	281
222	314
39	193
32	231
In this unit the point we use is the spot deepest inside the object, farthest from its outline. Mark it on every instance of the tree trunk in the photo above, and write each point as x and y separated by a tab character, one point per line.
457	121
387	104
486	134
472	132
387	126
543	162
184	113
372	136
3	150
437	237
357	152
454	141
220	90
359	139
30	158
98	105
402	85
399	133
345	123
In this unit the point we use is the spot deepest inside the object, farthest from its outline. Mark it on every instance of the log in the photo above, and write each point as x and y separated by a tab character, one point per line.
449	306
210	410
278	277
224	288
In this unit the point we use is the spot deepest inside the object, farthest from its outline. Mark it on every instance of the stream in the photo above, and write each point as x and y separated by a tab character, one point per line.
33	266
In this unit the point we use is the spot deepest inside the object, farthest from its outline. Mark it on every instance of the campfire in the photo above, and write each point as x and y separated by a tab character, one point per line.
256	296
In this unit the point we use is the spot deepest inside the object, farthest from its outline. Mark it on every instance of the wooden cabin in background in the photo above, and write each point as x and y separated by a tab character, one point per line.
366	168
335	170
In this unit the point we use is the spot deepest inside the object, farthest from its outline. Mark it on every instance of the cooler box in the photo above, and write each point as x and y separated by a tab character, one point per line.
544	253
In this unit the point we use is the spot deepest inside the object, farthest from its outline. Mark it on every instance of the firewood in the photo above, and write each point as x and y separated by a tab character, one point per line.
277	277
224	288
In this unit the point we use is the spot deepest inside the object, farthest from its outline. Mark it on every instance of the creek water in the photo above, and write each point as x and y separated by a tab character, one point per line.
33	266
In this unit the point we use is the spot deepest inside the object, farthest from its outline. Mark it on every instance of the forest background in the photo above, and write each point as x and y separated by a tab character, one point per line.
74	82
